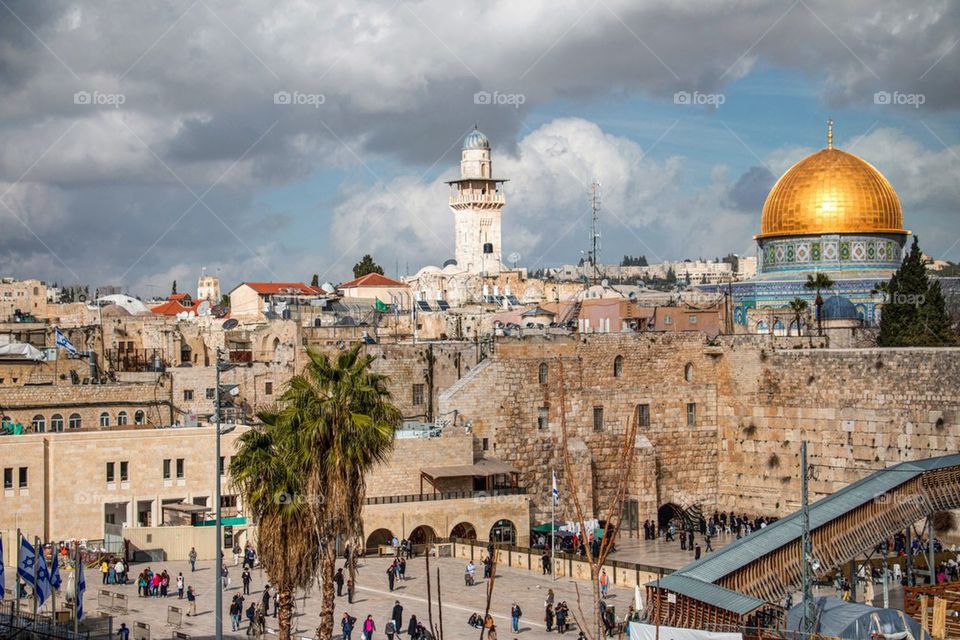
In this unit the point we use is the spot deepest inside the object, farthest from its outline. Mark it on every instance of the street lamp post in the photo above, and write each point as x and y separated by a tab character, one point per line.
218	573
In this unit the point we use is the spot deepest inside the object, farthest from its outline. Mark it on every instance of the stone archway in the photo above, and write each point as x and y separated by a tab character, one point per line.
503	531
464	530
424	534
378	537
667	512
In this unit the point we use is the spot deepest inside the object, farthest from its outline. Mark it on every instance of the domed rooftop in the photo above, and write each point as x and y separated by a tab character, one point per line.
831	191
839	308
476	140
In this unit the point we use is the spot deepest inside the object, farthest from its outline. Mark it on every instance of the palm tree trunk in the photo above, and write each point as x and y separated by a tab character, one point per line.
327	569
285	614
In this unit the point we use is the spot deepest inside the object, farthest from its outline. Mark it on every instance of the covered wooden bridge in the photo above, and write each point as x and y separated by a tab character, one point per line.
746	582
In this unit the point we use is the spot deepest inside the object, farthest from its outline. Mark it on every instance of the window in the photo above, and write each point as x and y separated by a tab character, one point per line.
75	421
417	394
39	424
111	477
122	418
8	478
268	388
23	477
187	395
667	319
618	367
486	444
211	393
124	469
56	422
228	502
598	418
542	374
543	418
180	468
643	415
166	468
691	414
688	372
692	319
104	419
223	464
140	417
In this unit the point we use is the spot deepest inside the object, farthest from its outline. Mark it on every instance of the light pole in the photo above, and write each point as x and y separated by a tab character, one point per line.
806	547
218	546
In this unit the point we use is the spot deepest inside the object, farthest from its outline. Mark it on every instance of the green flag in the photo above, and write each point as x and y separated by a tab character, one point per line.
382	306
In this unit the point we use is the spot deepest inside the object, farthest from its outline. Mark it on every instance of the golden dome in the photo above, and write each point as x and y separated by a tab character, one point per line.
831	191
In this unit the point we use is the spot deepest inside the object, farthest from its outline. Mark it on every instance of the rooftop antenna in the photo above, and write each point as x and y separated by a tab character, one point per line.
594	234
830	134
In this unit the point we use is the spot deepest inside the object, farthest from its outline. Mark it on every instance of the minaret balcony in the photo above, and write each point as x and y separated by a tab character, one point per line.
477	199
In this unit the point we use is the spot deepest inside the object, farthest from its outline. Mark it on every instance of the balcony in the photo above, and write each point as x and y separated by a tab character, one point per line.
447	495
489	199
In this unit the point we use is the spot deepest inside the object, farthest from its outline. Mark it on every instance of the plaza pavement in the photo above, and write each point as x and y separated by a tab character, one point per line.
372	596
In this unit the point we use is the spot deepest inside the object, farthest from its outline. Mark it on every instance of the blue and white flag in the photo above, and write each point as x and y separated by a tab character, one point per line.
556	492
81	587
2	575
28	558
55	580
62	342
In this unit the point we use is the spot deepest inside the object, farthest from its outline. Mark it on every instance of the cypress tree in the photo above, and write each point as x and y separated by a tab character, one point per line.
915	313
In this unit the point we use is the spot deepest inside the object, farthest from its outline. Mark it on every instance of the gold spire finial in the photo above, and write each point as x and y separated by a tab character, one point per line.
830	134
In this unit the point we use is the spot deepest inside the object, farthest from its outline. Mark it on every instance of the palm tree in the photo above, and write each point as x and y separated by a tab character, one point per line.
798	306
818	281
342	412
266	471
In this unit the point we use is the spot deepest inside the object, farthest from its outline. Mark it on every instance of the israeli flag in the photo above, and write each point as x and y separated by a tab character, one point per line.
28	558
61	341
556	492
55	580
81	587
2	575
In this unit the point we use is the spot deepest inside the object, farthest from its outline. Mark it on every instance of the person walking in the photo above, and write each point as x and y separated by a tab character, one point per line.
251	617
706	541
350	590
121	572
368	628
236	554
515	614
193	559
338	580
191	602
548	617
391	575
696	552
180	586
235	612
604	583
402	568
390	629
224	576
346	625
123	631
246	578
105	570
397	615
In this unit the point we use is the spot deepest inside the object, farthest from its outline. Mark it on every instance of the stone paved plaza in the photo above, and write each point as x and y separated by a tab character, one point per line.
372	597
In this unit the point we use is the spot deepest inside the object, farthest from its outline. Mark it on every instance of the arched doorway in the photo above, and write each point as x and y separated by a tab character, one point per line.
464	530
503	531
423	534
668	512
378	537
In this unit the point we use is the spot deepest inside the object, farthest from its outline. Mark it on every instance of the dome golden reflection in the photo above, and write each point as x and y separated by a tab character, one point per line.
831	191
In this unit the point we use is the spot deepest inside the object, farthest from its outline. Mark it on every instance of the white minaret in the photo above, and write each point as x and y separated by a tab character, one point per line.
477	201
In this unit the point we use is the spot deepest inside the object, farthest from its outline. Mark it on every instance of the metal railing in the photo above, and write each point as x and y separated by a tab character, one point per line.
447	495
24	624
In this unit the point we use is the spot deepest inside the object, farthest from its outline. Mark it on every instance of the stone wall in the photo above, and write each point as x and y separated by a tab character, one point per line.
860	409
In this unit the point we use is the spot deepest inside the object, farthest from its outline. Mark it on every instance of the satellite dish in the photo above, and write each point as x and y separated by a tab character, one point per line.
232	323
604	283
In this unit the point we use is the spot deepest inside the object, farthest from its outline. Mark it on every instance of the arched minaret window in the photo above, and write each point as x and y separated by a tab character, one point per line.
688	372
542	375
618	367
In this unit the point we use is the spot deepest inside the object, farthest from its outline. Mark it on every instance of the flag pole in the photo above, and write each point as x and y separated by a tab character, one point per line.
36	567
76	586
553	531
16	576
53	589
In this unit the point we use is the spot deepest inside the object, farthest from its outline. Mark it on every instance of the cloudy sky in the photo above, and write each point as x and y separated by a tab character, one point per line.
142	142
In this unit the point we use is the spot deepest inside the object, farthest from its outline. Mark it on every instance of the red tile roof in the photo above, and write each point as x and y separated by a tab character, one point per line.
173	307
372	280
275	288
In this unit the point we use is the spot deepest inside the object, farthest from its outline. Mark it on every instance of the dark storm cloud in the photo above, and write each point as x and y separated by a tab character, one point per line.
750	190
